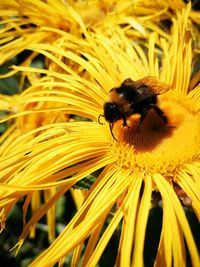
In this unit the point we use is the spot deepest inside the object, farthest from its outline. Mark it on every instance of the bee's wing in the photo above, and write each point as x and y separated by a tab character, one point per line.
153	84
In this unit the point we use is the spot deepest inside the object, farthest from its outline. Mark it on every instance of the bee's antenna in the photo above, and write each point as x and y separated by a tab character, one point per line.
100	115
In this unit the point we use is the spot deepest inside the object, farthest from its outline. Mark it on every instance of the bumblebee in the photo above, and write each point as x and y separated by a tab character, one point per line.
133	97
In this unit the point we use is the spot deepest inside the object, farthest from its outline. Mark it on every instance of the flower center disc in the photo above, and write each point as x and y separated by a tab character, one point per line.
157	146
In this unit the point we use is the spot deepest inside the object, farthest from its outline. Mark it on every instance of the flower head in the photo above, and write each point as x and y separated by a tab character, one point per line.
33	22
157	158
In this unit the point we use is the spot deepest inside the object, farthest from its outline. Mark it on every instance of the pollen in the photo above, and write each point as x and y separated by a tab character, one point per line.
155	147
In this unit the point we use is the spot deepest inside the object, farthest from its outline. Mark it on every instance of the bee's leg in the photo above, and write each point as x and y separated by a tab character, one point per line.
142	117
124	121
160	114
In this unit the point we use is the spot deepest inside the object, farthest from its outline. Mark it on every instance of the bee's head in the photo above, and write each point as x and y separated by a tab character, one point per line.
112	112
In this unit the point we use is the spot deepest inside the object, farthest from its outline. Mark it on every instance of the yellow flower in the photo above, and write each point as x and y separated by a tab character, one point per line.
156	159
25	23
31	22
